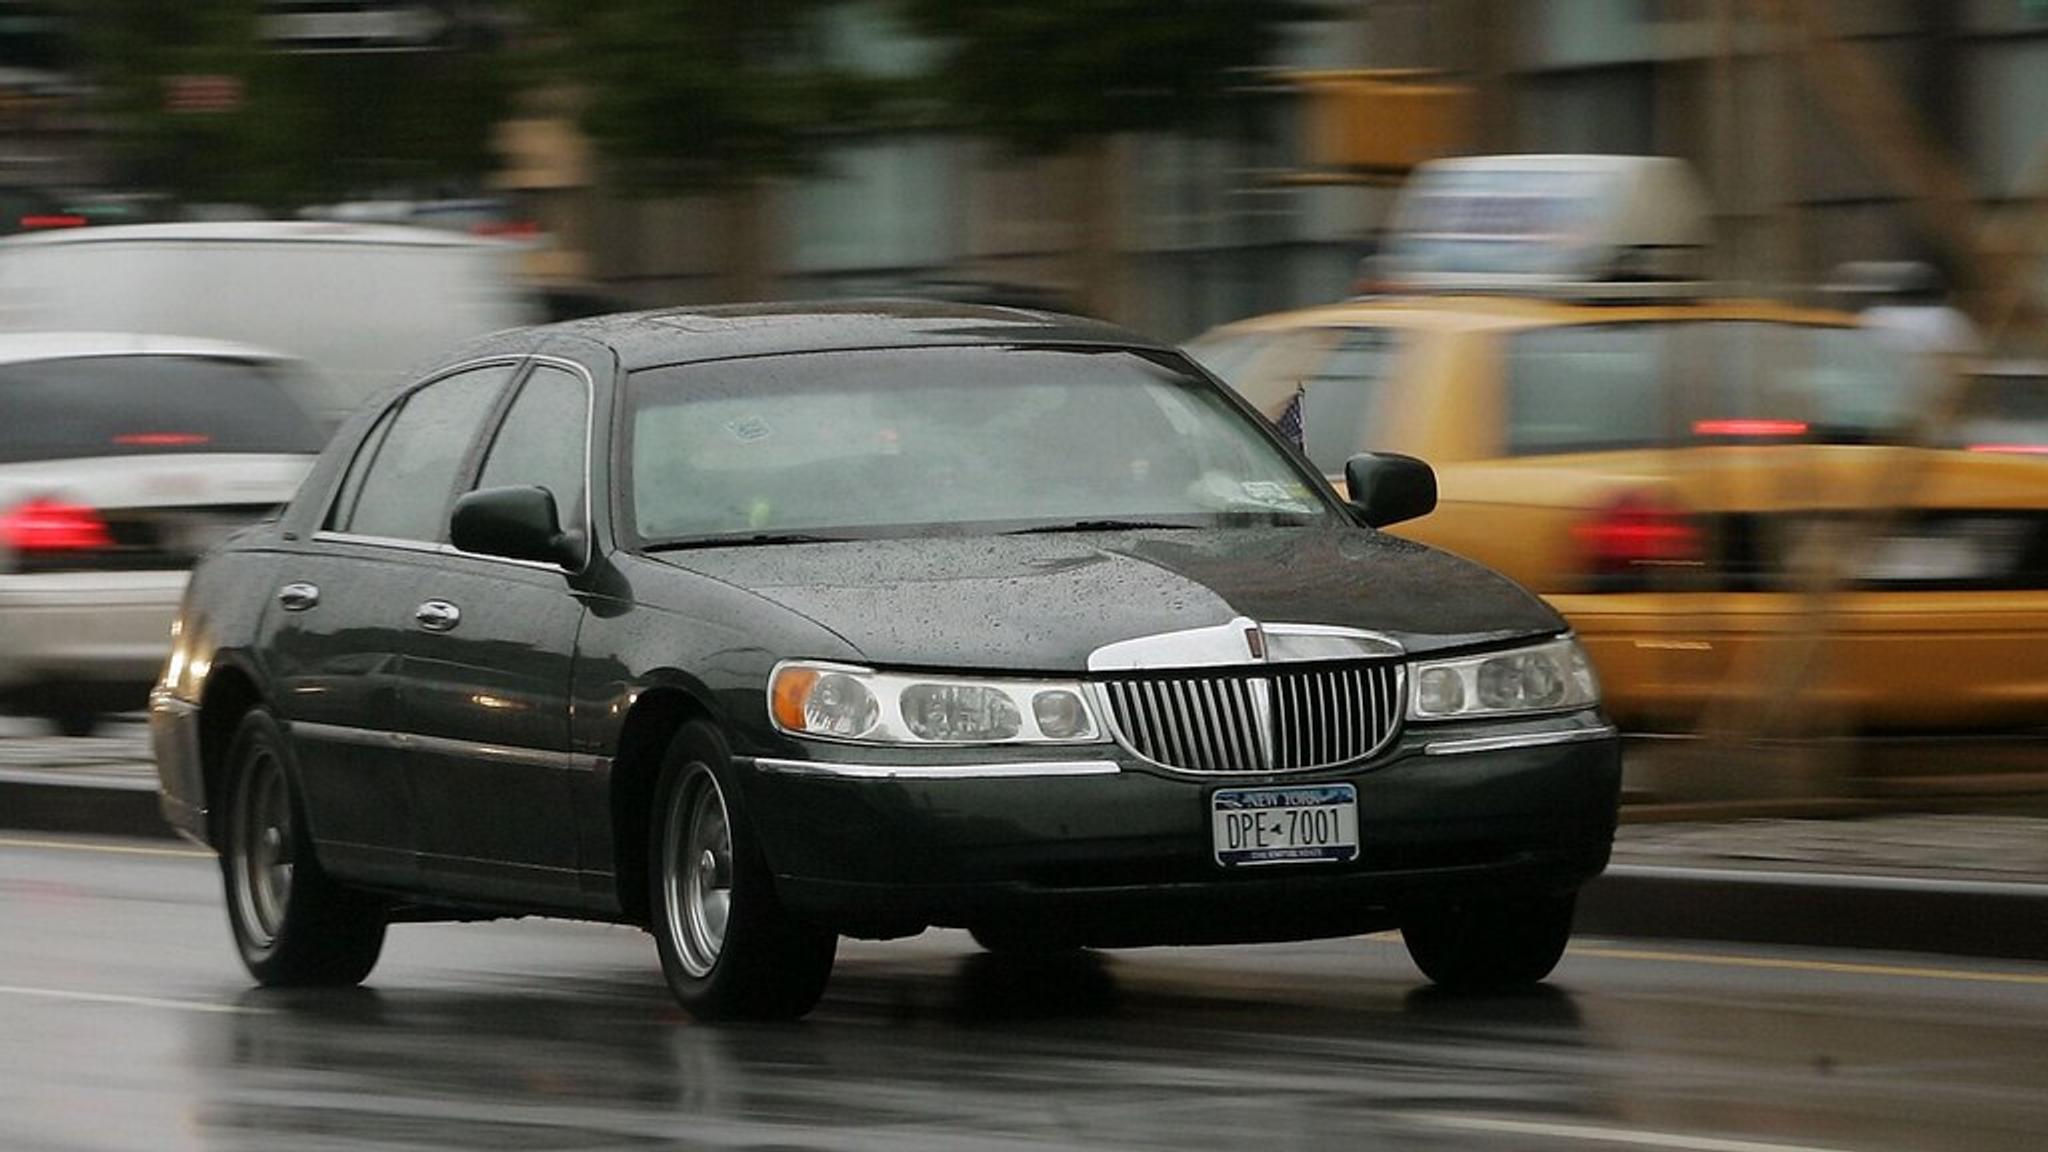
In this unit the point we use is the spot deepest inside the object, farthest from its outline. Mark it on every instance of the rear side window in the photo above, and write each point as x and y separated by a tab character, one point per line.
148	405
1337	412
543	440
405	493
2005	412
1586	389
1609	387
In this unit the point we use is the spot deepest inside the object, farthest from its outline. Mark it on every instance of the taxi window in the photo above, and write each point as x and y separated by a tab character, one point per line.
1586	389
1833	384
1227	357
2003	412
1337	412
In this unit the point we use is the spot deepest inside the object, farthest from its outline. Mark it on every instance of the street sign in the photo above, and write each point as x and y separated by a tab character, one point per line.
356	26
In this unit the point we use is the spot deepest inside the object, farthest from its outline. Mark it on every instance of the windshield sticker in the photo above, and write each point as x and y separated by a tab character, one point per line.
1274	494
748	429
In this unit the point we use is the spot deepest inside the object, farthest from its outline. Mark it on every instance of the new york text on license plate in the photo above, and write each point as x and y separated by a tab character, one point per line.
1284	825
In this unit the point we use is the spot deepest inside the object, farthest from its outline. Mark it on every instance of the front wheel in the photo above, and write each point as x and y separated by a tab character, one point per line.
728	948
1490	946
292	925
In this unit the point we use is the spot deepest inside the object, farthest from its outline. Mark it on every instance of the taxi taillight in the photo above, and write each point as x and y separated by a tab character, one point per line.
53	526
1636	535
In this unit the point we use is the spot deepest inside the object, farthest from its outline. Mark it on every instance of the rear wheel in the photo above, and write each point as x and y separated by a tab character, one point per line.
1490	946
292	925
728	948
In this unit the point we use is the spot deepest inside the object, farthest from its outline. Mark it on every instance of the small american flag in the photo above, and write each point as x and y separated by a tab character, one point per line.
1289	420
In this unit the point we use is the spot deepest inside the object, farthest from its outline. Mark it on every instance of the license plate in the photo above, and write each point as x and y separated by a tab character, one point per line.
1314	822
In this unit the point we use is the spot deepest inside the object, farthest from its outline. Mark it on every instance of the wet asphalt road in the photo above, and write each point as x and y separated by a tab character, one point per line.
125	1023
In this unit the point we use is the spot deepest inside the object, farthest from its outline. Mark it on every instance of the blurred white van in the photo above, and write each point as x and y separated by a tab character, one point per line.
361	303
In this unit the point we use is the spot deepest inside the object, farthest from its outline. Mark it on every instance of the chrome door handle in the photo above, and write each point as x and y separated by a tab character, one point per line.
299	596
437	615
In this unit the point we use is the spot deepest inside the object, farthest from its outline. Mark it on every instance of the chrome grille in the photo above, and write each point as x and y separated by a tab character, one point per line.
1260	719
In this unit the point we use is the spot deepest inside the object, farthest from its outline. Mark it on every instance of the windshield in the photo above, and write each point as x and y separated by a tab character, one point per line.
954	440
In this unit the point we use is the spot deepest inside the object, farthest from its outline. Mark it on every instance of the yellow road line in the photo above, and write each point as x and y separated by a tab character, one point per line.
113	849
1833	967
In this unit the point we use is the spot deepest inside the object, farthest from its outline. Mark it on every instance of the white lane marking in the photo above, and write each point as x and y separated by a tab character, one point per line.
1789	964
129	1001
1881	883
114	849
1678	1141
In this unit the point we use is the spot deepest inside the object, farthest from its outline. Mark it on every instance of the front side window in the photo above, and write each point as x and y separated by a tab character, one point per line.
947	440
405	493
543	441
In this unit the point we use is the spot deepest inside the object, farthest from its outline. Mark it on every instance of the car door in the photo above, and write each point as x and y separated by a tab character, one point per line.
337	632
487	675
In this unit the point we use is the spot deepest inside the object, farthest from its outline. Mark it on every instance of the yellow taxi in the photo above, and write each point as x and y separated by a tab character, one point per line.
1718	494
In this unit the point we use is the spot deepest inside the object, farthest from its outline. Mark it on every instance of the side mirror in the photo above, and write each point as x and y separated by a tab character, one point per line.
517	523
1388	488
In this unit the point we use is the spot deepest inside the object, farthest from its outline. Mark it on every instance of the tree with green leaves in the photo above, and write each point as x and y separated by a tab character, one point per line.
300	127
1047	75
687	96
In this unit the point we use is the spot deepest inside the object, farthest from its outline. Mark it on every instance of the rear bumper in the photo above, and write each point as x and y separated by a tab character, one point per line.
1900	661
92	640
1121	854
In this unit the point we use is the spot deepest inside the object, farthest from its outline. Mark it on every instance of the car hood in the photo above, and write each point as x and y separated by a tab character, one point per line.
1043	602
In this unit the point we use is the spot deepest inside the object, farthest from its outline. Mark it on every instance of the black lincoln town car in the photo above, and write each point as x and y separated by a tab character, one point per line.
762	627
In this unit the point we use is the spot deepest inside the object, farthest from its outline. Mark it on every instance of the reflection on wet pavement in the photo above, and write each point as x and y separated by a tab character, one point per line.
126	1025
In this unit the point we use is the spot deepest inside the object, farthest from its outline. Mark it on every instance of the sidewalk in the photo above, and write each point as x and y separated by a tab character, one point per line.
1961	884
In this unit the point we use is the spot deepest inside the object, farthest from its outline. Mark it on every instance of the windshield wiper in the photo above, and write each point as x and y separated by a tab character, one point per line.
1094	526
740	540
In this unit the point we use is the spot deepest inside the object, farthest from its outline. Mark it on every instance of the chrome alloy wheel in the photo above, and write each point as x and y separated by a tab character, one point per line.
696	870
262	851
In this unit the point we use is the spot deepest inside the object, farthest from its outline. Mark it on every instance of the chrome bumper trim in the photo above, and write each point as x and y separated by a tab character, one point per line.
1518	740
1011	771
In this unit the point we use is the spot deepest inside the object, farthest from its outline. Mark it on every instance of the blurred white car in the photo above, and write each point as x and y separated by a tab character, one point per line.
122	459
362	303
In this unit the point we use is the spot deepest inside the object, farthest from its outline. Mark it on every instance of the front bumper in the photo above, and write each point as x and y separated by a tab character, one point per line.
1113	851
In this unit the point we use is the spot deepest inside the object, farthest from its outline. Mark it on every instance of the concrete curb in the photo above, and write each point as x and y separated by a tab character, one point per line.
1951	916
75	800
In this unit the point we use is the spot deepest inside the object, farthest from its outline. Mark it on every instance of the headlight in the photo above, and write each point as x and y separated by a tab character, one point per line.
838	702
1544	677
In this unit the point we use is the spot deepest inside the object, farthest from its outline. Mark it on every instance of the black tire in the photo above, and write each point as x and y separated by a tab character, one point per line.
292	924
1490	946
728	948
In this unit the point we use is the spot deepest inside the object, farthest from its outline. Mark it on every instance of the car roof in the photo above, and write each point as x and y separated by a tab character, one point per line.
1512	313
17	347
693	335
255	231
